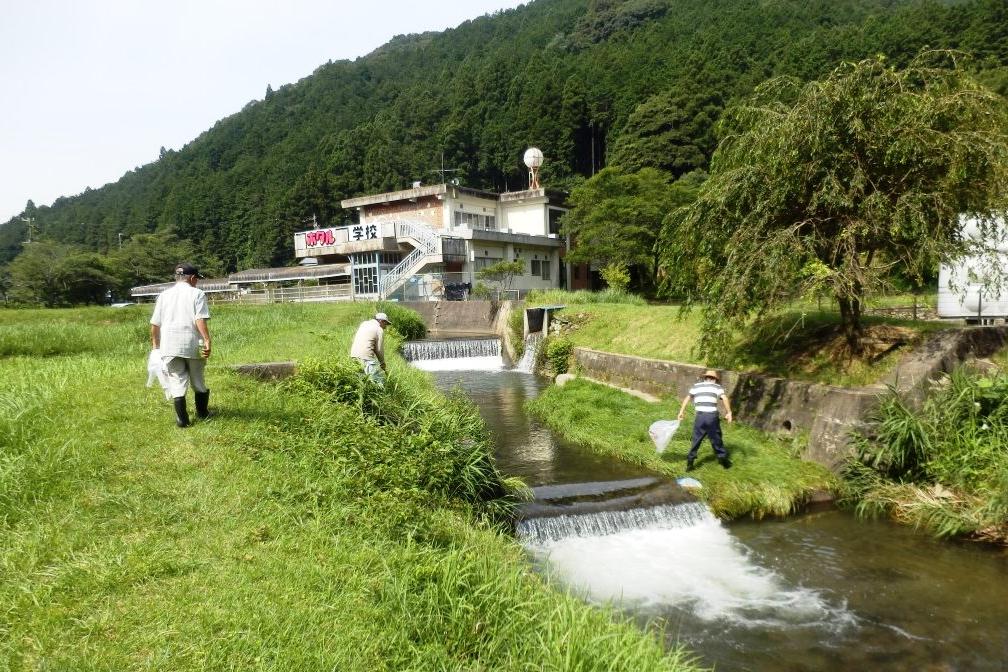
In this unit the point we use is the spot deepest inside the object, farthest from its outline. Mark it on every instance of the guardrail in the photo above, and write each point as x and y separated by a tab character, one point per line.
297	294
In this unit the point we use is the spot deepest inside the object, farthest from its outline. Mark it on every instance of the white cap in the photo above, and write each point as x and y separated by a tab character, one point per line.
382	317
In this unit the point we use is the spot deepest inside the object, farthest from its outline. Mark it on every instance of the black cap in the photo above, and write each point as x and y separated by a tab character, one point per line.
187	269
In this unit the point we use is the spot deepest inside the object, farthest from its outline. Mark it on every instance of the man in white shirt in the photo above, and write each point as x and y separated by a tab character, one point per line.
706	393
369	347
179	328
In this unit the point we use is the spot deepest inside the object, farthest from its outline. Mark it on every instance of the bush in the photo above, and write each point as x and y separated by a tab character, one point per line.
616	277
558	351
407	322
481	292
516	325
944	466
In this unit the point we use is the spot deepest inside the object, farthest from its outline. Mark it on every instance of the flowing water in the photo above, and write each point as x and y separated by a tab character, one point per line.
823	591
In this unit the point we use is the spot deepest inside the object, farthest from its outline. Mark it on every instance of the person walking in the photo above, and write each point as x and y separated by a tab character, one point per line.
706	393
179	328
368	347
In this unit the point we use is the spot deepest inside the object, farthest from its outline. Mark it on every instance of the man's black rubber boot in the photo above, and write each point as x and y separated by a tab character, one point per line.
181	414
202	405
726	463
689	465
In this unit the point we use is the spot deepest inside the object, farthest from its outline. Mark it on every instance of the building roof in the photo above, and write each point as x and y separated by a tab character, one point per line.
209	286
312	272
414	194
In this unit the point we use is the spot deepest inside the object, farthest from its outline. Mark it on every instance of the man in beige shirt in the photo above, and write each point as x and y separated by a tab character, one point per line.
368	347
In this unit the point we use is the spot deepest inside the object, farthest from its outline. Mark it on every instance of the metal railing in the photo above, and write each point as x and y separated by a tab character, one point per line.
298	294
427	241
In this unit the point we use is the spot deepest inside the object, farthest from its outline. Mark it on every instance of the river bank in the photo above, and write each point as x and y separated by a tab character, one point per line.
296	529
766	478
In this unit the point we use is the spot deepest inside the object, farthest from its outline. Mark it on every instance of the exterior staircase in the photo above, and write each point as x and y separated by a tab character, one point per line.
426	250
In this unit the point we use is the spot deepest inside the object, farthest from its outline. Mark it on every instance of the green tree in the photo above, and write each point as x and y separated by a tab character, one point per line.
502	274
671	131
834	184
52	274
616	217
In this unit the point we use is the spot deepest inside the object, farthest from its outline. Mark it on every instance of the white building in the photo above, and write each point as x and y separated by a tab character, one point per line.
429	241
971	288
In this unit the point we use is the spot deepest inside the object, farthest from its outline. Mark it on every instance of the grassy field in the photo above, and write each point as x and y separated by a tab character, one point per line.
310	525
766	478
795	345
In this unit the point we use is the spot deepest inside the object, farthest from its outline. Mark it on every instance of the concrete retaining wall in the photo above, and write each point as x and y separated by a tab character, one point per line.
462	317
829	414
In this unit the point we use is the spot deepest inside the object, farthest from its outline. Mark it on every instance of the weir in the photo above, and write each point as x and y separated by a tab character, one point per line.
527	362
540	530
455	348
820	592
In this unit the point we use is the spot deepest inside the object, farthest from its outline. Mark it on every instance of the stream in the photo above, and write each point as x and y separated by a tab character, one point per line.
819	591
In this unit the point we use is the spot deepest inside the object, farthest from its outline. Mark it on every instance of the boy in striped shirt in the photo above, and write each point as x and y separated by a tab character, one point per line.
705	394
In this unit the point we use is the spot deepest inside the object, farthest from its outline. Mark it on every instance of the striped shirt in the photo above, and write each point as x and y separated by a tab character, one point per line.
705	396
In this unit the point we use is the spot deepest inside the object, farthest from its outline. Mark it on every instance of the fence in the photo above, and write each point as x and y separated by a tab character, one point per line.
297	294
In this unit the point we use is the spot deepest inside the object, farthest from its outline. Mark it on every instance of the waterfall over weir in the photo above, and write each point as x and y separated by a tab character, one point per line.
527	363
451	349
536	531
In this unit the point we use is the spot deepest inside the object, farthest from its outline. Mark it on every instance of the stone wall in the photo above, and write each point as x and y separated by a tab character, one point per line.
828	413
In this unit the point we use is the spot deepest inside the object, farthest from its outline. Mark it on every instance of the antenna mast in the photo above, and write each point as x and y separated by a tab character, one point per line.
28	221
444	170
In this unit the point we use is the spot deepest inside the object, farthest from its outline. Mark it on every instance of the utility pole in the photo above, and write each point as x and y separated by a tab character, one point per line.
28	221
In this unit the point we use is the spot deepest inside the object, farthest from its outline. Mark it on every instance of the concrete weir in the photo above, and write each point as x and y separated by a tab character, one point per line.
593	497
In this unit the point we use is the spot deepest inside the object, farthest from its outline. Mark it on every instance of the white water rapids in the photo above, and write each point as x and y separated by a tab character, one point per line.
678	556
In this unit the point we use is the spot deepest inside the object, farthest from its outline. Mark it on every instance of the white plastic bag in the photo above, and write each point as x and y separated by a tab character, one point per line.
156	371
661	432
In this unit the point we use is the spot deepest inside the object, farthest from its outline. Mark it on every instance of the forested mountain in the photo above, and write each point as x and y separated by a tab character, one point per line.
631	83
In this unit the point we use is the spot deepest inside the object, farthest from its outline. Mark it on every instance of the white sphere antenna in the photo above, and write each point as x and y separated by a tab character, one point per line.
533	159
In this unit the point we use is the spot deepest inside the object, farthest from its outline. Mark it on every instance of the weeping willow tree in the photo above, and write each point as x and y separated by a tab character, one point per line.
832	186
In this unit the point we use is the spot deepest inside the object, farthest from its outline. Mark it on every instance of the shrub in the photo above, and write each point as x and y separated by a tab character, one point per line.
558	352
616	277
943	466
481	292
407	322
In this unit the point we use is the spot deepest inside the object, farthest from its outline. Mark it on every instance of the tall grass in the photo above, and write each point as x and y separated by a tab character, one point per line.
555	297
944	466
766	479
315	525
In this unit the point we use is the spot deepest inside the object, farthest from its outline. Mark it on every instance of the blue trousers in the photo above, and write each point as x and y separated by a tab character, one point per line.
709	425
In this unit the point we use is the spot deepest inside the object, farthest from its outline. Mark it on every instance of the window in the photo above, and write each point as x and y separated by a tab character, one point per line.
474	221
479	263
541	268
554	215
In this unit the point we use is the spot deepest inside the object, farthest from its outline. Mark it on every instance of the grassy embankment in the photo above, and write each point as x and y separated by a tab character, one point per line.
800	344
942	467
766	478
302	527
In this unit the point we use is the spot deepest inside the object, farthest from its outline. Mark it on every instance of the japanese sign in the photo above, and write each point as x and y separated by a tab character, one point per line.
364	232
320	237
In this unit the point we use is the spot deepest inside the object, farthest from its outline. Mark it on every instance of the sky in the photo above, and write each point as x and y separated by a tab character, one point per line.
94	88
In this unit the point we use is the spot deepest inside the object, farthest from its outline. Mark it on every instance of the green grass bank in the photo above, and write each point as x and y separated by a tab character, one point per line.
767	477
308	525
802	344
